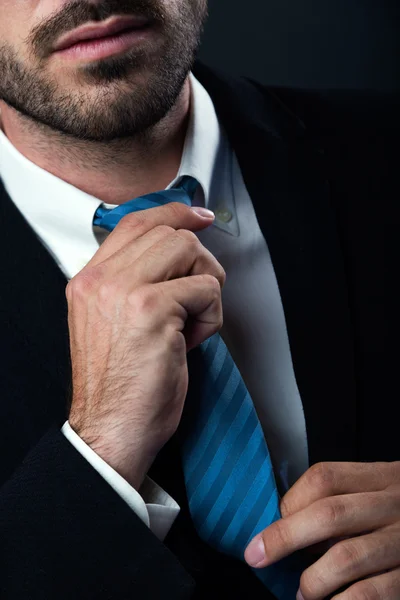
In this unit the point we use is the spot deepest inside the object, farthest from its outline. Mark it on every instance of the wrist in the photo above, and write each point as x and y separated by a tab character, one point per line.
130	461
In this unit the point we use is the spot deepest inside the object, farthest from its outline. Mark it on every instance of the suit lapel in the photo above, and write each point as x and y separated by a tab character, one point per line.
284	176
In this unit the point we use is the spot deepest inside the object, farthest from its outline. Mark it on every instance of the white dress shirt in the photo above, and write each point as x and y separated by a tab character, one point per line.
254	324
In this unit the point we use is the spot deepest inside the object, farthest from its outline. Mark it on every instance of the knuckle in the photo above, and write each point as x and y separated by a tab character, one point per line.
329	513
108	291
389	499
82	285
394	492
132	220
285	507
174	339
363	590
177	209
144	300
221	275
311	583
345	556
188	236
396	467
209	264
279	536
321	477
163	230
69	291
394	472
212	283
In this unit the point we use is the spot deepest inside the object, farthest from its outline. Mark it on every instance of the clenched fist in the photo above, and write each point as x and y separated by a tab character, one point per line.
151	293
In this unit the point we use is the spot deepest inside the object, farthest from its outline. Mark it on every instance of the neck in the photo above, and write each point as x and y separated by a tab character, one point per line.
114	171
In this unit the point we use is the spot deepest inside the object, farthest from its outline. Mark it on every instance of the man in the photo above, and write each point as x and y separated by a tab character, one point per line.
102	333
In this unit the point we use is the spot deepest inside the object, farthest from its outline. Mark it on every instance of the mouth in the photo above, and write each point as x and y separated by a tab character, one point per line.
95	41
95	32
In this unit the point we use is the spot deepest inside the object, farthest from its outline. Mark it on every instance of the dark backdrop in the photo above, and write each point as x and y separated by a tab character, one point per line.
306	43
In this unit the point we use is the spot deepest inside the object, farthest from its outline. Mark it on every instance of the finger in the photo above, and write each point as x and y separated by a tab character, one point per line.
129	253
198	297
350	561
327	518
382	587
331	479
175	256
134	225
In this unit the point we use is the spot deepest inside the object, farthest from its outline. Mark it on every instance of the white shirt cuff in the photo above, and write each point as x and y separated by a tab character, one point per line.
152	505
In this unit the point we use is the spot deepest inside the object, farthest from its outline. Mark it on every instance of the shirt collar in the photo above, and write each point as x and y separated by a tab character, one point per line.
202	143
55	208
208	158
57	211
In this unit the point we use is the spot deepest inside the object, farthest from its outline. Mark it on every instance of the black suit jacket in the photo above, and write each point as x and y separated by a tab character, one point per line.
320	171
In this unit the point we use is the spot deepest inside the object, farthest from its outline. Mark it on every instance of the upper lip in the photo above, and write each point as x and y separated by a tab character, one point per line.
94	31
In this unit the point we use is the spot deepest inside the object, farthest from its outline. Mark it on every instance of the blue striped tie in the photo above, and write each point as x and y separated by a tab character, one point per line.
228	472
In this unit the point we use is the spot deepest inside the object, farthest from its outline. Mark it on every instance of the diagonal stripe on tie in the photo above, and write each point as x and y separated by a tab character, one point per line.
205	418
219	445
249	471
226	455
228	473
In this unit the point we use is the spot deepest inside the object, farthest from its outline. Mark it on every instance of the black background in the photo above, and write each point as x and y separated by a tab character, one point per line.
349	44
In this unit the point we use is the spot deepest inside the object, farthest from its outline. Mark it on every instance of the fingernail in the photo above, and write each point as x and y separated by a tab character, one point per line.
203	212
299	596
255	552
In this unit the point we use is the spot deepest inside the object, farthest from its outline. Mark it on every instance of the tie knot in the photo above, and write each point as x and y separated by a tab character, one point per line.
184	192
190	185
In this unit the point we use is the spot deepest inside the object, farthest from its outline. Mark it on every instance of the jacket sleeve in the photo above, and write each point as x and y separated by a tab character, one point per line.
157	509
65	533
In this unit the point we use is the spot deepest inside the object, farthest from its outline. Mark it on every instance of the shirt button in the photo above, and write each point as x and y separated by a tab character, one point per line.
223	214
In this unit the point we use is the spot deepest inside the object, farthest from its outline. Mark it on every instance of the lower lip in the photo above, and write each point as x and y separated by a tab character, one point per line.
107	46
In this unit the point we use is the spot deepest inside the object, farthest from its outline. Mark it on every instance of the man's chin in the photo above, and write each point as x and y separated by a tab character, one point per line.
113	69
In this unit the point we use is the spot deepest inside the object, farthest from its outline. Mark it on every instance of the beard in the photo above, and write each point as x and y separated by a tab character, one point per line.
114	98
